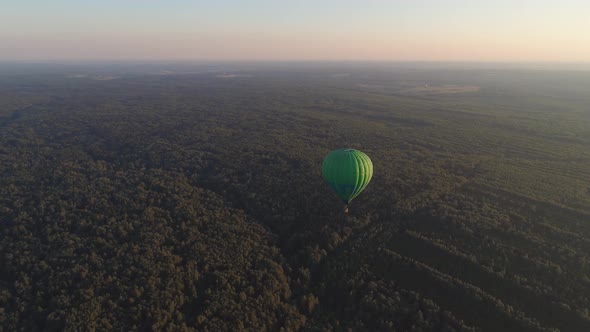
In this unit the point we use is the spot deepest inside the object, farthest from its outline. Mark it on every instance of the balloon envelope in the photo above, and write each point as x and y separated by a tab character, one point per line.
347	172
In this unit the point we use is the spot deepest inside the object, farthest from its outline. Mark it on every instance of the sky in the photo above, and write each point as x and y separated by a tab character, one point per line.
329	30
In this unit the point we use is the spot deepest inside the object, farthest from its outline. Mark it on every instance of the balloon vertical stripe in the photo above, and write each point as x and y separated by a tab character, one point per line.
347	172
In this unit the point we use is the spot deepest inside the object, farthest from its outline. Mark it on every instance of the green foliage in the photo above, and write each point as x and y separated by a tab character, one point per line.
196	203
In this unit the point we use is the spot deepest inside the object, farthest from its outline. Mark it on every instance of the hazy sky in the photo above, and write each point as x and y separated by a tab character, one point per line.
456	30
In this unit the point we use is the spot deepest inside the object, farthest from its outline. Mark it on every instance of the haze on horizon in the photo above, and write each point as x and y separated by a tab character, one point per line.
376	30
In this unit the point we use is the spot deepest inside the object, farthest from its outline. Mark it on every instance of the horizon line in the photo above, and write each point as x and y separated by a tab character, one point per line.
237	60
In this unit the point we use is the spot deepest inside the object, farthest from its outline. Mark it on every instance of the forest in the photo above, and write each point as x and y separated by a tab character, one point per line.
189	197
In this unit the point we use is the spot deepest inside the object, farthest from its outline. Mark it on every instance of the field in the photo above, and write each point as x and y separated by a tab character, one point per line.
189	197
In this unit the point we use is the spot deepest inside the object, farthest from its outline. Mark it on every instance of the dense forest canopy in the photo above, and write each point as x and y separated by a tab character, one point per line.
190	197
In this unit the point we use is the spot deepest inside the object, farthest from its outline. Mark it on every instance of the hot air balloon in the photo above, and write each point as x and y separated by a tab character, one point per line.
347	172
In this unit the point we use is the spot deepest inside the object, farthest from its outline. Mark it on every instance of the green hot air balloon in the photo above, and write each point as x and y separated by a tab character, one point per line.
347	172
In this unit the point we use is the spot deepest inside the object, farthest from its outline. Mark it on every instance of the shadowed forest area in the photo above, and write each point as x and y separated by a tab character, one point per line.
190	198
